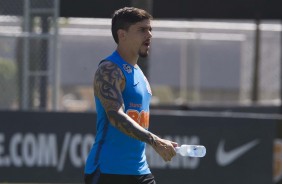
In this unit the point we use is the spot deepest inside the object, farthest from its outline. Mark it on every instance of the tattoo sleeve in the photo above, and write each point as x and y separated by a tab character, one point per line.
109	82
107	86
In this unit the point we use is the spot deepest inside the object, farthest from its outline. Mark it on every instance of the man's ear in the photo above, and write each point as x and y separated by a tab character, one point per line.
121	34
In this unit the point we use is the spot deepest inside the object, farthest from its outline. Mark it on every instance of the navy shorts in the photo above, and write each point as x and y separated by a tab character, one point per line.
99	178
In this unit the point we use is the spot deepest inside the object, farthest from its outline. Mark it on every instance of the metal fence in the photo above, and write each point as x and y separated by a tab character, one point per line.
28	54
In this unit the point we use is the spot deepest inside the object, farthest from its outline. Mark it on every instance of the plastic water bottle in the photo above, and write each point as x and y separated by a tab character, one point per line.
191	150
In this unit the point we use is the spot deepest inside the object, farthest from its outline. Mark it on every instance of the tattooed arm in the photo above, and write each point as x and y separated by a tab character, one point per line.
109	83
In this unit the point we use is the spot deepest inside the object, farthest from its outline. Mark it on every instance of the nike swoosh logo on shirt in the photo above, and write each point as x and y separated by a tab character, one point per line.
225	158
135	84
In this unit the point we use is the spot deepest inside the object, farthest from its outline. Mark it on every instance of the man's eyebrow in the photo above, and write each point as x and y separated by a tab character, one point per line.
146	27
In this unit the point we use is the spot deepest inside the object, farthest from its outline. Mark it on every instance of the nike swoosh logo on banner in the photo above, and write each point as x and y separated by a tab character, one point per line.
225	158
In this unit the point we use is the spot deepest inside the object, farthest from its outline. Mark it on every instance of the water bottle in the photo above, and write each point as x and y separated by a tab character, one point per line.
191	150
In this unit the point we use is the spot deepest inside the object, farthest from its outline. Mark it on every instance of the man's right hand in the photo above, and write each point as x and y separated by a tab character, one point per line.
165	148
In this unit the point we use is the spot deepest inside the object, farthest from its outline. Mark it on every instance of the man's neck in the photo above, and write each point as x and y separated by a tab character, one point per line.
127	56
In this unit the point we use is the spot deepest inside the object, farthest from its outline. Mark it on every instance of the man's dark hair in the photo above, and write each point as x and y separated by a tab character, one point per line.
125	17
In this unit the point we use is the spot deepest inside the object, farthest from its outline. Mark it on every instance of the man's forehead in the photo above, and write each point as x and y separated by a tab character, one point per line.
144	23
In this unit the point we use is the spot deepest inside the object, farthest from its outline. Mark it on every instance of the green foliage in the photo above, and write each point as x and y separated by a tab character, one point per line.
8	83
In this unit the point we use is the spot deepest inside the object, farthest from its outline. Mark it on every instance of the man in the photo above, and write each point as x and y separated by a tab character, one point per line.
122	94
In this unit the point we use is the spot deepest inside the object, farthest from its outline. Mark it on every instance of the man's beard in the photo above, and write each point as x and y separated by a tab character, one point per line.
143	54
